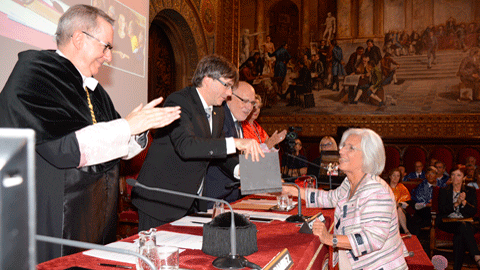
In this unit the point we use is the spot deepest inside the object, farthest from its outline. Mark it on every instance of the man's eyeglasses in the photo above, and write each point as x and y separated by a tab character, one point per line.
105	45
253	103
225	84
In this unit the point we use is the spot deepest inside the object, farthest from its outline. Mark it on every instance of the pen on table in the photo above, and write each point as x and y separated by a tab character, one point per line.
115	265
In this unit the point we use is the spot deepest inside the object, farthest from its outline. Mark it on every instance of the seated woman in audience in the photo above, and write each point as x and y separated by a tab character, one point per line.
293	163
366	234
253	130
476	179
327	143
458	201
402	196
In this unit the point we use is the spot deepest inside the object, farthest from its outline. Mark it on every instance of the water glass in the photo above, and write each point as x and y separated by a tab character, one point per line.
282	202
168	258
147	246
218	208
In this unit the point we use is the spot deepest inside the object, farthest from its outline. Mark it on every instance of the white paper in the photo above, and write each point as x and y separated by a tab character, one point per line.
179	240
115	256
190	221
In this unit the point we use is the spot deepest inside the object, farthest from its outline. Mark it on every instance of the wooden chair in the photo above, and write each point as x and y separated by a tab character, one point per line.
441	241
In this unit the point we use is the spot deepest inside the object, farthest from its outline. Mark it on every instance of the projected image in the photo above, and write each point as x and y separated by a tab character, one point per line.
34	22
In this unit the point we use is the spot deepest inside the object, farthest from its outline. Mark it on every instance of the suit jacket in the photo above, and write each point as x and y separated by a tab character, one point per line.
445	206
179	156
218	176
413	175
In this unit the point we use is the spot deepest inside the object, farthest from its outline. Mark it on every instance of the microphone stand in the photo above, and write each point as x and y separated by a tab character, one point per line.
298	218
232	261
85	245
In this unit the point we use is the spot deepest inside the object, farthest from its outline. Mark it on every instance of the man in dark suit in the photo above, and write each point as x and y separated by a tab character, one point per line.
417	174
218	181
179	155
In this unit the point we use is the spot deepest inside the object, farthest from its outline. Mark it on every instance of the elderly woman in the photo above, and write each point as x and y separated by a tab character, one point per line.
253	130
366	234
402	196
456	202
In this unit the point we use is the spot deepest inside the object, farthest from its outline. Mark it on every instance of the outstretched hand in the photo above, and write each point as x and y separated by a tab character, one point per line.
276	138
249	147
143	118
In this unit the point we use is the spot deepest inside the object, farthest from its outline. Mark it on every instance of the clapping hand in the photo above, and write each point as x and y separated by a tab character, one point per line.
143	118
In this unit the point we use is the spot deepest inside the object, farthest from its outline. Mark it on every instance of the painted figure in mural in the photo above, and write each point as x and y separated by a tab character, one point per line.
330	27
245	44
354	60
469	70
431	45
373	52
373	87
269	47
282	56
337	65
387	70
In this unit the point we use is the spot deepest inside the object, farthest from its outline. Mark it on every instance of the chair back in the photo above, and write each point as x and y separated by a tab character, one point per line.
435	192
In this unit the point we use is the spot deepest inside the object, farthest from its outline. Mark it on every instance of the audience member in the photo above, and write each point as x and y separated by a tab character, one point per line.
179	155
455	203
293	163
432	161
442	175
253	130
402	196
469	172
327	143
417	174
80	137
366	235
471	160
422	199
403	171
476	177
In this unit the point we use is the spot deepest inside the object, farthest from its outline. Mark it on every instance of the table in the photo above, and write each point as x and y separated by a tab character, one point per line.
305	249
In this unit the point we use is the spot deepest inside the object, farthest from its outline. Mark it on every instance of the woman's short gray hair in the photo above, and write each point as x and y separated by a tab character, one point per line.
372	148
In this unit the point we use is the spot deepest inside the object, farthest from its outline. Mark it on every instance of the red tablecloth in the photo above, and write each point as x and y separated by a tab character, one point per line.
271	239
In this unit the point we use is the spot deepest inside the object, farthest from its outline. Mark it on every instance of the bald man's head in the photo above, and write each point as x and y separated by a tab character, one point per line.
242	101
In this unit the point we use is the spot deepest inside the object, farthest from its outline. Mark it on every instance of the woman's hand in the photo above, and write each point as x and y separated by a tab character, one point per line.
320	229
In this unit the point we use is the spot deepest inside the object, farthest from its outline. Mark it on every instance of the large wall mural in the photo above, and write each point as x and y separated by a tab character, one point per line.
425	67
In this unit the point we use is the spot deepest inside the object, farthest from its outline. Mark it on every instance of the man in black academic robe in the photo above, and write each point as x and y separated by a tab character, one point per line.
54	93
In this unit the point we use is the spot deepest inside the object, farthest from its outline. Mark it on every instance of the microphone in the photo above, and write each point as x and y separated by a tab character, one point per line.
298	218
232	261
80	244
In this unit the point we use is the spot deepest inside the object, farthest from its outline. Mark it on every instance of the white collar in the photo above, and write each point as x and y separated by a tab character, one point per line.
233	116
204	103
89	82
